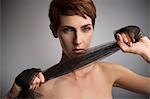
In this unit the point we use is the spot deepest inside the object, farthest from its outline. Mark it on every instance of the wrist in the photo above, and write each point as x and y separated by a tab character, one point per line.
10	96
14	91
146	55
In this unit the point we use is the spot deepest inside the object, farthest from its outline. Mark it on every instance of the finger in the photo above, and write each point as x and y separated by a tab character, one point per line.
124	47
119	38
125	39
35	84
36	81
33	87
132	36
41	77
129	39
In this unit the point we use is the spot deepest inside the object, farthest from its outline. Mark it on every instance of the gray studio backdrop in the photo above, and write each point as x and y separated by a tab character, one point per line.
27	41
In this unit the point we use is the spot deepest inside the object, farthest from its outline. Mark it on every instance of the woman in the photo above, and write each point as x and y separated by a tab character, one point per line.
72	22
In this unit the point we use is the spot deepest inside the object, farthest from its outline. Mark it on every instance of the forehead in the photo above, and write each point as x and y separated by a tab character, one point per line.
74	20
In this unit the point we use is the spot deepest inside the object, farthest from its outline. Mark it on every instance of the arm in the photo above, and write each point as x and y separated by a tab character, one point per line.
125	78
131	81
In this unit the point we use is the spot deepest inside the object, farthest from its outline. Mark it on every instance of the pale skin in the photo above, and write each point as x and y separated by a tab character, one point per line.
97	79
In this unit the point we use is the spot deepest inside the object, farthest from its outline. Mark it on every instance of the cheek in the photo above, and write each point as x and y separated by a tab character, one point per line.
65	41
88	38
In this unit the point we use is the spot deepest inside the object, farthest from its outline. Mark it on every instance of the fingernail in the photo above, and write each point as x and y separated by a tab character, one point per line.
117	36
126	40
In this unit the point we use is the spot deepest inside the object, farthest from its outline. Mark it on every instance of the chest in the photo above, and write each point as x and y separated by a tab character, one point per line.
83	91
90	87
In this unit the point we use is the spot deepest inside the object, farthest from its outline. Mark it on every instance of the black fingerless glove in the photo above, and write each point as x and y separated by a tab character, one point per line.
134	32
24	79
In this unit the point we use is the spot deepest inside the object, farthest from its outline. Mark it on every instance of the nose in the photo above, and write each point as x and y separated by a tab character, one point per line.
77	39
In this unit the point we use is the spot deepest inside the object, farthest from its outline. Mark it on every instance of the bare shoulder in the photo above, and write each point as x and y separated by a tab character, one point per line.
125	78
107	66
112	70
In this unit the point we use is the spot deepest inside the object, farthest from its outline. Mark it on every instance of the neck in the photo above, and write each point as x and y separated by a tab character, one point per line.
64	57
82	72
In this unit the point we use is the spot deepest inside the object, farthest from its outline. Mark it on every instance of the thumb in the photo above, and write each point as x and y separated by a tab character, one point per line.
144	39
41	77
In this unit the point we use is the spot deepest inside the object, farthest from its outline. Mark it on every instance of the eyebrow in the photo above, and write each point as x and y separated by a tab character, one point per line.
86	25
73	27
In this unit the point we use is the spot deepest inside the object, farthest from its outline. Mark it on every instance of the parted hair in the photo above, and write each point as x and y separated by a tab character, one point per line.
70	8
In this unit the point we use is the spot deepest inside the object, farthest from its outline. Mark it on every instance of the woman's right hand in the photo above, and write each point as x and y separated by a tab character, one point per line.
37	81
29	79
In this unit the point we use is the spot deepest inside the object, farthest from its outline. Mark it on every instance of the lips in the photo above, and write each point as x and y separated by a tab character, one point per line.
78	51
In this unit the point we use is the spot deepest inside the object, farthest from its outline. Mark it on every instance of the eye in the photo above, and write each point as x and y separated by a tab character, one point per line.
86	29
68	30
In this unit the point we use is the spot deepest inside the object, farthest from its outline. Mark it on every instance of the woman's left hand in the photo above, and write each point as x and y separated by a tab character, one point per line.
142	47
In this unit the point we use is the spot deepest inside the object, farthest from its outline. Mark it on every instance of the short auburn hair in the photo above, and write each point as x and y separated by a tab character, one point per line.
70	8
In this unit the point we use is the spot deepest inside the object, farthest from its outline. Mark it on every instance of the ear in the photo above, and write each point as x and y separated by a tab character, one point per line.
53	31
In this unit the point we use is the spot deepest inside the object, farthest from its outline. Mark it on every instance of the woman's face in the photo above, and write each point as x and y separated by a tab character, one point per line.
75	33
